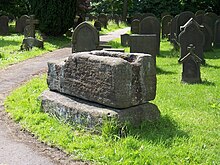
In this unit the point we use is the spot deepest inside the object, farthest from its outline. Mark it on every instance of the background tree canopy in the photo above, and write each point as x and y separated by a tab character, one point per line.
56	16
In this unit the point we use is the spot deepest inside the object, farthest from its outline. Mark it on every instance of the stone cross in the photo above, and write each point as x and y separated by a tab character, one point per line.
191	66
30	29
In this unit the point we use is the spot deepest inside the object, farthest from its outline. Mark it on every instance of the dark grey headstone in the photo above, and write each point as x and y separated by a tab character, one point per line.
173	30
164	13
166	25
21	24
183	18
103	19
200	12
116	19
29	30
151	25
4	25
135	26
144	43
125	39
192	35
137	16
208	37
217	34
98	25
85	38
144	15
191	66
30	42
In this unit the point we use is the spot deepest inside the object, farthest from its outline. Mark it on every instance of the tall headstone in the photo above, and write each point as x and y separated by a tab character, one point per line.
192	35
166	25
208	37
4	25
29	30
85	38
183	18
98	25
103	19
200	12
144	15
135	26
137	16
151	25
144	43
217	34
191	66
173	30
21	23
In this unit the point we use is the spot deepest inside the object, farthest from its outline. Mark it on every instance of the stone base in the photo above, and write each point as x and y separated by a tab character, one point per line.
89	114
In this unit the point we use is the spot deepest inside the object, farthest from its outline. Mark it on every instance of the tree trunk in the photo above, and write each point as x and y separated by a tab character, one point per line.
125	10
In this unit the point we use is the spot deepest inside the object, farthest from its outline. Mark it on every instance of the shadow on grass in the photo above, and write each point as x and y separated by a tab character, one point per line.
211	66
163	131
161	71
168	53
214	54
59	42
207	83
8	43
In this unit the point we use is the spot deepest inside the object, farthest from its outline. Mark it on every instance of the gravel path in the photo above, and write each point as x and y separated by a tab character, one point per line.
18	147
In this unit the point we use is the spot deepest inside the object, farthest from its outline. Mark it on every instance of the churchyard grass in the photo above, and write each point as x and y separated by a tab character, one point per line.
10	52
187	133
112	27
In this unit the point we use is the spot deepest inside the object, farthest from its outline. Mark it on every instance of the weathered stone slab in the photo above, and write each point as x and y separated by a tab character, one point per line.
4	28
89	114
113	79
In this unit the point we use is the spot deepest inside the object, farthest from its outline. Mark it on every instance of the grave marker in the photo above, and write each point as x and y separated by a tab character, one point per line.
85	38
4	25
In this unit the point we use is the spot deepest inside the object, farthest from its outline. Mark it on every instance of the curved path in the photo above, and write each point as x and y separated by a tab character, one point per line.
18	147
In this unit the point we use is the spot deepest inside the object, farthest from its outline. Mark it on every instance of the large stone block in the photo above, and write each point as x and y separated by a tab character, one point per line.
89	114
113	79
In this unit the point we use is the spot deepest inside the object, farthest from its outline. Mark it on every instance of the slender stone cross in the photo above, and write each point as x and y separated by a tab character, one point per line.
30	29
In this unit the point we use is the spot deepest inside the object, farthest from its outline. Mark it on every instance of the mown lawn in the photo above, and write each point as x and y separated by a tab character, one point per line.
187	133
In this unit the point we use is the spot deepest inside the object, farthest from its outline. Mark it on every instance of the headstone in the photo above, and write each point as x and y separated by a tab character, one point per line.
85	38
183	18
4	25
29	30
213	18
200	12
164	13
21	23
191	66
217	34
208	34
207	22
151	25
125	40
137	16
144	43
173	30
135	26
192	35
98	25
30	42
103	19
147	15
116	19
113	79
166	25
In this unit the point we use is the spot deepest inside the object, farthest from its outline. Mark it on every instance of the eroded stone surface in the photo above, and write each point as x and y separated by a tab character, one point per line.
78	111
113	79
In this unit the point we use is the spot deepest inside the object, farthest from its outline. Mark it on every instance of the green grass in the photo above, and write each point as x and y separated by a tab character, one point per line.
187	133
112	27
10	52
